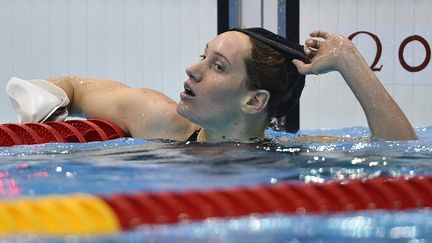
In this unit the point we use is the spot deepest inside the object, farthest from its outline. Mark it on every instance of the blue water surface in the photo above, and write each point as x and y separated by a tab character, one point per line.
128	165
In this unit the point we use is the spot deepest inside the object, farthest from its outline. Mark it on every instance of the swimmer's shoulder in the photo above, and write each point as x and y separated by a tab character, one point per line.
154	116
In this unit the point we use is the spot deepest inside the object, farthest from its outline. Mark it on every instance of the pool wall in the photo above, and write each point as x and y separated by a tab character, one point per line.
143	43
150	43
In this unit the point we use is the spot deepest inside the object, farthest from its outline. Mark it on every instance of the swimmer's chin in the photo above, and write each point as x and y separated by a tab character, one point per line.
180	109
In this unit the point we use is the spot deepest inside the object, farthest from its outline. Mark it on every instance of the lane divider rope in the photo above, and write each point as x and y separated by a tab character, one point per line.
57	215
106	214
72	131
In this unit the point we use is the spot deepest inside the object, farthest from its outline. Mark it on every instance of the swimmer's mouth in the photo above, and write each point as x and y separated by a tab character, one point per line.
188	90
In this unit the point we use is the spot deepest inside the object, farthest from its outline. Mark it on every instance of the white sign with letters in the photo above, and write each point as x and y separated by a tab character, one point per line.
395	38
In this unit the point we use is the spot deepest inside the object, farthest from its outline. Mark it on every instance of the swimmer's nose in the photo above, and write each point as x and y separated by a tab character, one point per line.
193	72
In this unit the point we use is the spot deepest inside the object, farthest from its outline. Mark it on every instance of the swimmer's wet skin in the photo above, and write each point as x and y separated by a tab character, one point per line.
245	77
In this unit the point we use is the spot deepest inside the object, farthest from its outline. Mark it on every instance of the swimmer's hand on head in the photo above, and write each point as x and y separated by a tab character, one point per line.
326	51
331	52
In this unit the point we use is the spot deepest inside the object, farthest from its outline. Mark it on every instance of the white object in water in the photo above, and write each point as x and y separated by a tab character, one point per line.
37	100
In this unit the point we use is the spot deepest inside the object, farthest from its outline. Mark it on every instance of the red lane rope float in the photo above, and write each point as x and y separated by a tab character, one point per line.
26	135
73	131
110	129
137	209
90	131
47	133
69	132
8	137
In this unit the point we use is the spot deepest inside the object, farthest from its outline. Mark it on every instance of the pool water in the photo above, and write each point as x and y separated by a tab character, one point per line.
128	165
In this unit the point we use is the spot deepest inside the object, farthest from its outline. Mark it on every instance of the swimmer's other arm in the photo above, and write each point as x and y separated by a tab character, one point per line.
331	52
142	113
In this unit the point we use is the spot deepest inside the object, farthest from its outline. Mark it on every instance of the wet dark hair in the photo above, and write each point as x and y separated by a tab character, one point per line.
269	67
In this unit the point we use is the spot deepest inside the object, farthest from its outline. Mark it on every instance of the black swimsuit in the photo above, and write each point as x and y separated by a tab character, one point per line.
194	136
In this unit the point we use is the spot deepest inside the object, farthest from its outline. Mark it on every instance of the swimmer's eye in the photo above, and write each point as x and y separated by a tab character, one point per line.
218	67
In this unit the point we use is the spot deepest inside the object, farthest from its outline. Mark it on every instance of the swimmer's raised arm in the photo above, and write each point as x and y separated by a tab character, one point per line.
337	53
143	113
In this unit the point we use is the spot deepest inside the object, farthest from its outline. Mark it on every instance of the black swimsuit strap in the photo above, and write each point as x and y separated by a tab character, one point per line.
194	136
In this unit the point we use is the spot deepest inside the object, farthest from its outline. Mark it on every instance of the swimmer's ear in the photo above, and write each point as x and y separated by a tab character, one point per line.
256	101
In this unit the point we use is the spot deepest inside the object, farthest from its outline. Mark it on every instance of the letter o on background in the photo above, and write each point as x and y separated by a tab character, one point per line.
425	62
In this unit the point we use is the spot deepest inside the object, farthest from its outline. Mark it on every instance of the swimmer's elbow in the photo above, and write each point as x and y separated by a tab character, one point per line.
66	84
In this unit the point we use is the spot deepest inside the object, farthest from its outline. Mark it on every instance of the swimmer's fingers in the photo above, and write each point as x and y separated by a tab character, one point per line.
320	33
302	67
311	53
315	67
313	43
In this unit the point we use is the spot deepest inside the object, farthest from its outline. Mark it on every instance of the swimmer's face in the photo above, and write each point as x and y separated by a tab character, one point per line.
216	86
